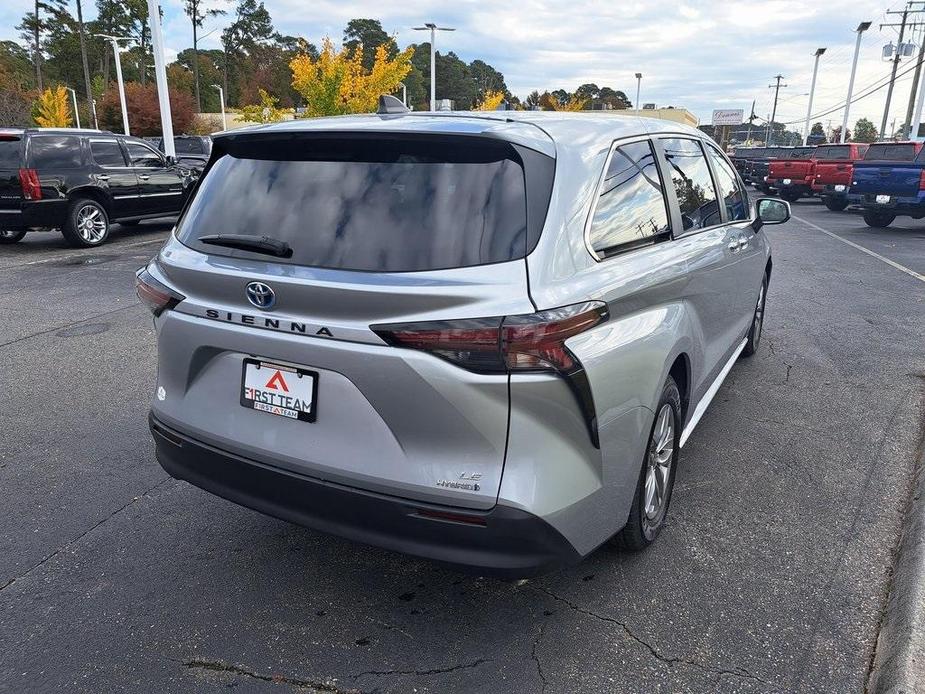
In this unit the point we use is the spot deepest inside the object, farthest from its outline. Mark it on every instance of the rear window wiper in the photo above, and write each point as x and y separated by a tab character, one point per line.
257	244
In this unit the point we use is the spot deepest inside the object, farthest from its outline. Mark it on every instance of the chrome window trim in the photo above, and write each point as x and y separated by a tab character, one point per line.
629	140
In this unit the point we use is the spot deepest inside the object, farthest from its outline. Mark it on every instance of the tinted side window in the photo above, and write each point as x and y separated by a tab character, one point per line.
107	153
734	197
631	207
693	186
54	152
890	152
187	145
142	156
9	152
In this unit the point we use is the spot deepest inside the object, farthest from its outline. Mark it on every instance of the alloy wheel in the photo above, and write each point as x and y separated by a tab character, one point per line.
91	224
658	466
759	317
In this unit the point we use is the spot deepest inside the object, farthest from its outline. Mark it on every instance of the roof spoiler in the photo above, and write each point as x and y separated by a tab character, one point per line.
390	106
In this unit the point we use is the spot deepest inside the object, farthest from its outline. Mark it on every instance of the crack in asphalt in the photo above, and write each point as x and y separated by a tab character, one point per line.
669	660
82	535
535	657
70	325
221	666
434	671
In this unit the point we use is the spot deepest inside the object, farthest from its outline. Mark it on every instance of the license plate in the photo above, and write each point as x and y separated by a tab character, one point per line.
786	181
839	189
883	199
286	391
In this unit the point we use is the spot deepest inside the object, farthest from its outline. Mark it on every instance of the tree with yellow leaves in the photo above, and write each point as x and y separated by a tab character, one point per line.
575	103
337	83
51	110
491	101
267	111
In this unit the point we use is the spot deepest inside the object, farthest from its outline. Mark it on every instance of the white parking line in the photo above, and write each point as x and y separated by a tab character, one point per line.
901	268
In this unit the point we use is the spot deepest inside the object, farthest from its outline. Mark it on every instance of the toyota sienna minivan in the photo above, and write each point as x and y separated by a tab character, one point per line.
481	339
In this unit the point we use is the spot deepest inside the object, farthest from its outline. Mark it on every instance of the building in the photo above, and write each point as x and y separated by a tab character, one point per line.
678	115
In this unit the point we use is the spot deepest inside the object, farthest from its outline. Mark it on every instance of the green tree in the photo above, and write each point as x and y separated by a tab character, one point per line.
368	34
487	79
865	131
613	98
197	15
34	24
817	129
112	18
532	101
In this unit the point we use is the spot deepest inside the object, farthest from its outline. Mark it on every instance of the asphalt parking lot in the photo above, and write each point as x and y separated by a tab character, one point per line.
771	575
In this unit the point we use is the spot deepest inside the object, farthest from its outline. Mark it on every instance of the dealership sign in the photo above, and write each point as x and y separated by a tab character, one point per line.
728	116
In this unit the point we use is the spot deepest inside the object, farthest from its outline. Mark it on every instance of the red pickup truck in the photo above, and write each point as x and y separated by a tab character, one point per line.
792	177
834	167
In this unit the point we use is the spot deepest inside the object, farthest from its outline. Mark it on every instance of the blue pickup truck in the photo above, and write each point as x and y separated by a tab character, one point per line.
889	182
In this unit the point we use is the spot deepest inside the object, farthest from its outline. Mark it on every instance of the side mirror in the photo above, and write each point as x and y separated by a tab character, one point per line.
770	211
169	161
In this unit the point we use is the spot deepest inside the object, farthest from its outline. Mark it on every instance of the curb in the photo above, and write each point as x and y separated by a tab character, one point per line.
899	660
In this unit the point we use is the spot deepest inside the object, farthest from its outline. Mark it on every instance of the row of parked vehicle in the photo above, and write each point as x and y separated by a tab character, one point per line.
81	181
883	180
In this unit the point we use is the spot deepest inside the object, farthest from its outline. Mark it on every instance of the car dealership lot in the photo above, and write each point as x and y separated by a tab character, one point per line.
770	576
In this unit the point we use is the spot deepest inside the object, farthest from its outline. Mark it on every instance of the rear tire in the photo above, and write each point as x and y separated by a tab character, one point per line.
8	236
878	220
87	224
836	204
754	333
656	479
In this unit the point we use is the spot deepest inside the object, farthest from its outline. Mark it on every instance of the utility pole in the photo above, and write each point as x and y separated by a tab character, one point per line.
907	124
777	85
896	59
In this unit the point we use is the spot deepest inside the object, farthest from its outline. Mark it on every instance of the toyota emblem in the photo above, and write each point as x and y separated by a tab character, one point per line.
261	295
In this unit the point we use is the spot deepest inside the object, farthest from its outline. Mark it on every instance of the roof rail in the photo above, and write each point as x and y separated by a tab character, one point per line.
390	105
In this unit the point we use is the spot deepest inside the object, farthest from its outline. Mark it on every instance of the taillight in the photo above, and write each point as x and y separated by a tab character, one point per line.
154	294
530	342
510	344
29	181
922	179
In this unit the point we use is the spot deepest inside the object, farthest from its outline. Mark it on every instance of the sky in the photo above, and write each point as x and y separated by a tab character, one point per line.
696	54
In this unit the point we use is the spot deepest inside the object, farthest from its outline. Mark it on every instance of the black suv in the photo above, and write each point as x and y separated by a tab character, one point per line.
80	181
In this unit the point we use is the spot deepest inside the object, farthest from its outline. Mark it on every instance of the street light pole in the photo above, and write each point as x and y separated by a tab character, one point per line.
160	73
433	28
862	27
221	99
812	91
74	99
114	40
638	88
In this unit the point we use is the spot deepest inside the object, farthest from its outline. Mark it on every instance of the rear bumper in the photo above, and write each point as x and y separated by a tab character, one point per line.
38	214
505	541
827	190
899	205
796	184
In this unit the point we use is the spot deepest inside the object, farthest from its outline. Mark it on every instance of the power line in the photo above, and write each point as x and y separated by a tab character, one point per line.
909	69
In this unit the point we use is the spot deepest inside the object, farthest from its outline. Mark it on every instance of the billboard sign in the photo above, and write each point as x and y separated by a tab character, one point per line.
728	116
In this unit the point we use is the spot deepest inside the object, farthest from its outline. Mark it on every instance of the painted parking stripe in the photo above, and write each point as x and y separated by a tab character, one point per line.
893	263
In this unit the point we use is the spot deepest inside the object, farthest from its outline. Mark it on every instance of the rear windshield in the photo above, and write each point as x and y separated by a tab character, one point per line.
890	152
9	152
371	204
801	153
834	152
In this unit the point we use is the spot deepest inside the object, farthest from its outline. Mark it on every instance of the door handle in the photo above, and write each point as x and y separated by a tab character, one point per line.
734	245
144	177
102	177
743	242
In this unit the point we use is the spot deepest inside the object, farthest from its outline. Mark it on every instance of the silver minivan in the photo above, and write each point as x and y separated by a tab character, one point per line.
477	338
